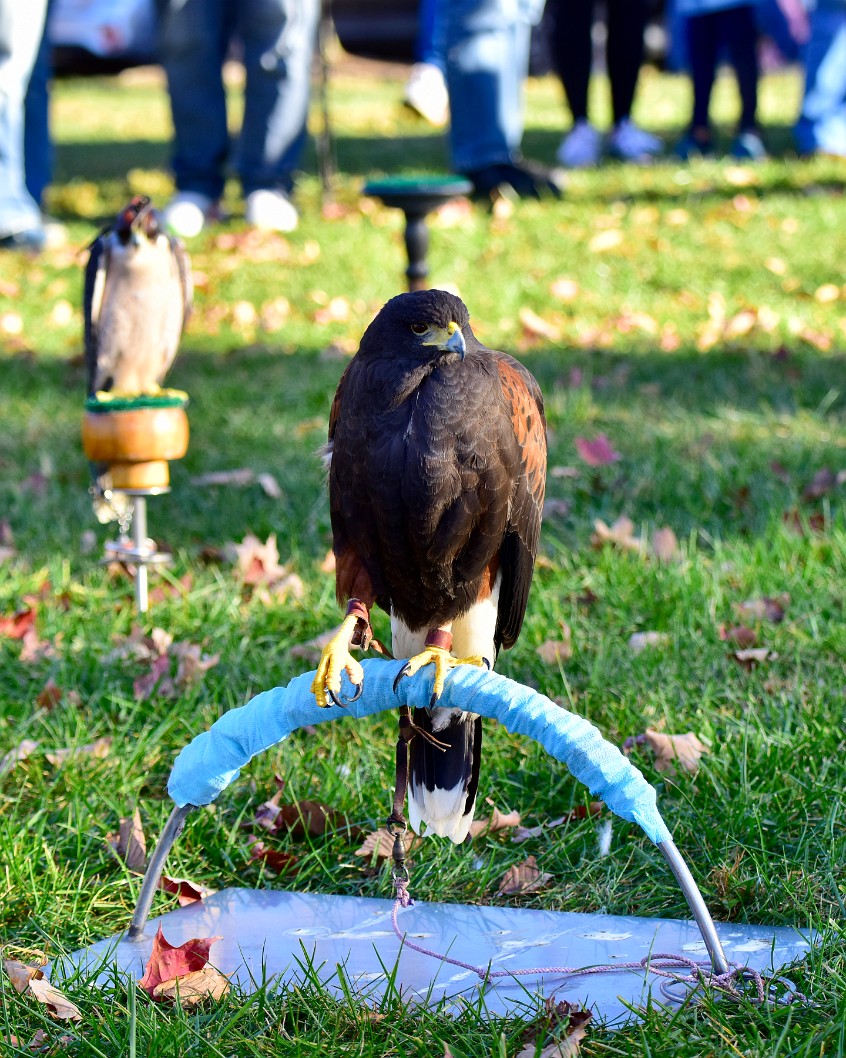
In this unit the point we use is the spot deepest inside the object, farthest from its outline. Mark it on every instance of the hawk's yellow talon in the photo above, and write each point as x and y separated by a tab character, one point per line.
336	659
443	662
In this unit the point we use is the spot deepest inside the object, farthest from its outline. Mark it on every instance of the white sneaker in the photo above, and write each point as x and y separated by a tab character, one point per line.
581	148
188	212
271	211
426	92
632	144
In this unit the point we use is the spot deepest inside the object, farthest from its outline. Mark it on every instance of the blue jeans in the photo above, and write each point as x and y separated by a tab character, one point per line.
487	56
21	33
278	42
822	121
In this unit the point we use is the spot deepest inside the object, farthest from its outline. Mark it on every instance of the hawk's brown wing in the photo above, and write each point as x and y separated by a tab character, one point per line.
517	555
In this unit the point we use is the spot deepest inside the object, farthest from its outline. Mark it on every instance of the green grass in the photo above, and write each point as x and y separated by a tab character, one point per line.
718	443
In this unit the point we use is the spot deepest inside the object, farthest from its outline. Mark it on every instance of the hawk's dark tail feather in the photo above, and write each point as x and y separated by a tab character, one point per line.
443	782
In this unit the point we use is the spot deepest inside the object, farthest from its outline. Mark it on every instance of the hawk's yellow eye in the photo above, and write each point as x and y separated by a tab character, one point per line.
419	328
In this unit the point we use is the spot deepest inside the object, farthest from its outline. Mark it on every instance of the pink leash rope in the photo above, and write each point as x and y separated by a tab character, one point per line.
662	964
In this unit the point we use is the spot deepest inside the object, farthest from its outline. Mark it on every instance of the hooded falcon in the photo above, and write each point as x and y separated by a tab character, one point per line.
136	302
437	467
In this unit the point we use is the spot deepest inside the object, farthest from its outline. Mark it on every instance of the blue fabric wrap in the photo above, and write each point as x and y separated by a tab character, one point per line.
209	763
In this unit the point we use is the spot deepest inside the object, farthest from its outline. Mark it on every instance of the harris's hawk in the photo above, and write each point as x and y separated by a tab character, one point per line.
437	465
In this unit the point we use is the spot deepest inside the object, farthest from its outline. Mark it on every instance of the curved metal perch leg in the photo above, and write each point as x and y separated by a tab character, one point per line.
696	904
172	829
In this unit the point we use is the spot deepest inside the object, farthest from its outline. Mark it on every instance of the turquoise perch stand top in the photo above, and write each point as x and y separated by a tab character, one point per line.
208	764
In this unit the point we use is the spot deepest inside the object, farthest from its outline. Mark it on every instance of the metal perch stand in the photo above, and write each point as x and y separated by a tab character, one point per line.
141	552
213	760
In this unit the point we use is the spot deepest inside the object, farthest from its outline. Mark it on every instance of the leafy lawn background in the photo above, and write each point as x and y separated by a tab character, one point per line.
695	316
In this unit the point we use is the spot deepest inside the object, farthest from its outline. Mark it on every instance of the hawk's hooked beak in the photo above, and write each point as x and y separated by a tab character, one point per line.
449	339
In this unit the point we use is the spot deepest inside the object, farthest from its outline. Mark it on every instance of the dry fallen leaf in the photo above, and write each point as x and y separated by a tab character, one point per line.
566	1043
129	844
522	834
639	641
98	748
564	288
21	973
16	625
748	659
552	651
25	748
525	877
820	485
240	477
495	821
767	608
535	326
740	635
665	547
313	648
168	961
194	987
58	1005
684	750
276	859
380	844
598	452
606	240
620	534
185	891
270	486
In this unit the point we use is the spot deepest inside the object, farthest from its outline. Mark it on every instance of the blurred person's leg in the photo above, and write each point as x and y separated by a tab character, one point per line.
426	91
572	54
487	54
21	33
279	38
702	44
626	25
740	32
38	147
194	37
822	121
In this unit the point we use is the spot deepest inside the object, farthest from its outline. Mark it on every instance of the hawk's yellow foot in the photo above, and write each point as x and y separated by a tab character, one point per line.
335	659
443	661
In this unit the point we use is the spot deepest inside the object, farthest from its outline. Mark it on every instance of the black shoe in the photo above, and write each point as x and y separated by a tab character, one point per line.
527	180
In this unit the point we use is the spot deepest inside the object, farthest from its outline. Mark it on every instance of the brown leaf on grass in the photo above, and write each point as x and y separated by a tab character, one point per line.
129	844
767	608
240	477
192	663
16	625
58	1005
167	590
185	891
51	695
569	1024
40	1040
495	821
535	326
168	961
309	817
21	973
564	289
620	534
34	649
98	748
598	452
269	486
525	877
259	567
24	749
640	641
740	635
159	671
139	647
822	483
665	546
684	750
276	859
522	834
749	659
552	651
797	523
193	988
380	844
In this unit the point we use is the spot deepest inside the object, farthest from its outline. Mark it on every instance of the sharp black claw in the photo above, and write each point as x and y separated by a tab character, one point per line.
359	688
488	665
336	701
433	701
404	671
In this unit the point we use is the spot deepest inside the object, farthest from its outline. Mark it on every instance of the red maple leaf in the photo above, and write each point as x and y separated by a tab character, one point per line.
598	452
168	961
16	625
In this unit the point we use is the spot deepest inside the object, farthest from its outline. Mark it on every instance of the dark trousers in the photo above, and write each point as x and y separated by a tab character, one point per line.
572	51
735	30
